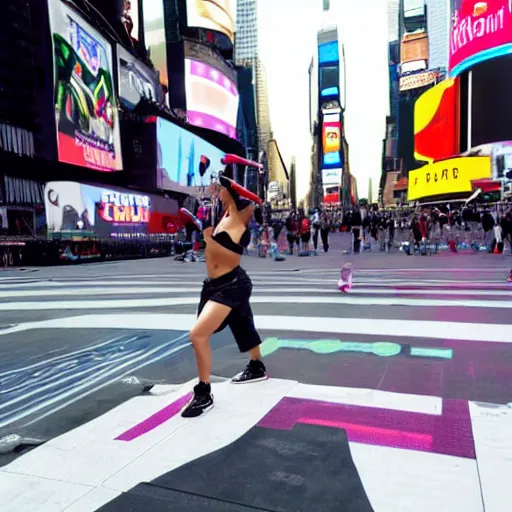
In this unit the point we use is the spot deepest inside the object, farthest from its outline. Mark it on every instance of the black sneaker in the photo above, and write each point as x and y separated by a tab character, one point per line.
254	372
201	402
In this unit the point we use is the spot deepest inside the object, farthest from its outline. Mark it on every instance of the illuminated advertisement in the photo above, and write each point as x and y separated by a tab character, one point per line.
74	206
154	35
331	128
480	31
328	53
136	81
131	18
87	209
332	160
185	161
332	194
85	102
414	48
436	122
331	176
451	176
211	90
219	15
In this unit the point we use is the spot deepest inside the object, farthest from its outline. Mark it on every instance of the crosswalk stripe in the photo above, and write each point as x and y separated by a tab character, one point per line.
138	303
299	288
499	333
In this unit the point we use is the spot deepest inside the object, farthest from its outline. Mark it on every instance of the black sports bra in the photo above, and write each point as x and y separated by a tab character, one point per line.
223	238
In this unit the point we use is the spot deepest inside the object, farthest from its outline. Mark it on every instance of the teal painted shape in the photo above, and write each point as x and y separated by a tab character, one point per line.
381	348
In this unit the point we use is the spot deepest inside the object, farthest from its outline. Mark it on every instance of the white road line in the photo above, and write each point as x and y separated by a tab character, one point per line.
119	286
346	300
499	333
299	288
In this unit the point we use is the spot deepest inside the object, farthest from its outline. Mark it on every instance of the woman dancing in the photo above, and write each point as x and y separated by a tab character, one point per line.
225	298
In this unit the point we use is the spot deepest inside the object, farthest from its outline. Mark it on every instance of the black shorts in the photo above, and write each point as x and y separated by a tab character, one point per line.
233	290
306	237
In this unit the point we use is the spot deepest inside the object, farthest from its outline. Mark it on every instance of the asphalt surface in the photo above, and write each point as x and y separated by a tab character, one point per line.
76	341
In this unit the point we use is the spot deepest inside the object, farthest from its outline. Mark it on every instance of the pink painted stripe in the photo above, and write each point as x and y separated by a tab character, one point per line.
155	420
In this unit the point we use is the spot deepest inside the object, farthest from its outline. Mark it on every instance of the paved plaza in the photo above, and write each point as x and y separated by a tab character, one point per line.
395	397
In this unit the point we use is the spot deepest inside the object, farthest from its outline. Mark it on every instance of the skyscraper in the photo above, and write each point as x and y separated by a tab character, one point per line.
246	54
438	26
246	36
393	20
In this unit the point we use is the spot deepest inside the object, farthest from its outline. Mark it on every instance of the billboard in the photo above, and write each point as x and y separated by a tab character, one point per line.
480	31
331	129
331	160
436	122
185	161
131	18
451	176
136	81
331	176
219	15
154	35
414	48
105	212
211	90
328	53
85	103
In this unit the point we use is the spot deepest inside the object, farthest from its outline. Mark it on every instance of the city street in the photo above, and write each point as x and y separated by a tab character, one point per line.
396	396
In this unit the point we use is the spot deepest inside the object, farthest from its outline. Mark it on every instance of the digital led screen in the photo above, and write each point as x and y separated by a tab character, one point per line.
329	77
154	35
328	53
332	160
212	98
74	206
131	18
331	176
85	102
330	92
219	15
185	161
331	129
136	81
480	31
436	122
451	176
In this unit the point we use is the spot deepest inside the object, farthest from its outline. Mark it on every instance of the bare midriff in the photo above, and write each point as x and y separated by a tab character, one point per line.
220	263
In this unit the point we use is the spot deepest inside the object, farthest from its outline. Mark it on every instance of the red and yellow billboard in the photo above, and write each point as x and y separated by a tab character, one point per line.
452	176
481	30
331	133
436	122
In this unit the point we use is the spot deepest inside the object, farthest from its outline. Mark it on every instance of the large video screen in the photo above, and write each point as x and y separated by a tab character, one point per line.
136	81
219	15
480	31
185	161
154	34
74	206
212	98
328	53
106	212
331	133
85	101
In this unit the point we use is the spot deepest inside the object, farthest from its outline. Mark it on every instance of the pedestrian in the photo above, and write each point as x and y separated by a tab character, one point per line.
315	220
225	296
324	231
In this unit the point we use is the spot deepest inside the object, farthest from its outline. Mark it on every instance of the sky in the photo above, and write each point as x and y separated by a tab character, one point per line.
287	41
